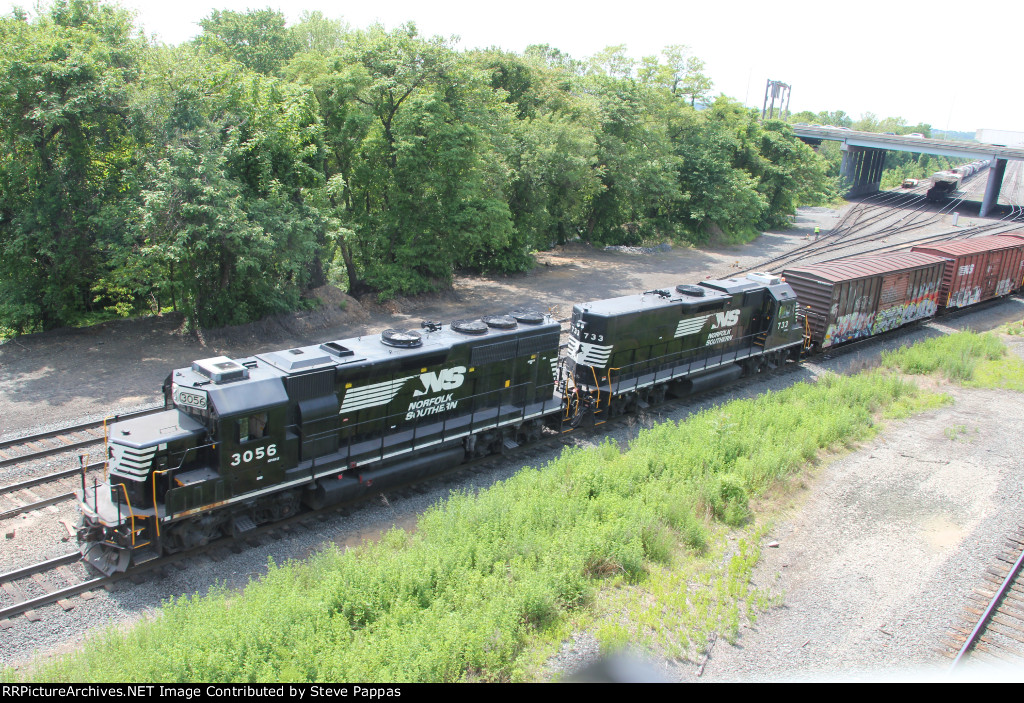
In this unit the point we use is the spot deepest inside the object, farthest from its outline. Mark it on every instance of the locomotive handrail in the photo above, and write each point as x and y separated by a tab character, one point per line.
167	509
682	358
464	421
168	514
131	513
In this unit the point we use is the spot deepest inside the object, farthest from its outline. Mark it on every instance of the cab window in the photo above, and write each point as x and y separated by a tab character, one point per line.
252	427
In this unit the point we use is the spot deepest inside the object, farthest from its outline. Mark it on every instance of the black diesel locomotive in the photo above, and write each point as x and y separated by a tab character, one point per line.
253	440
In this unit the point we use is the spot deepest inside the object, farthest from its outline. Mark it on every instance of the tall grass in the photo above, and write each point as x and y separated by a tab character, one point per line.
484	578
967	357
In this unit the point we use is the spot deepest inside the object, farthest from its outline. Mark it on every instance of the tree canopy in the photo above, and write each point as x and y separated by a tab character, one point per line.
227	176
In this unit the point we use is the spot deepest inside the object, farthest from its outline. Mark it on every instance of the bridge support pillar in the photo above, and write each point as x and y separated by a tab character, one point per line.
861	169
996	169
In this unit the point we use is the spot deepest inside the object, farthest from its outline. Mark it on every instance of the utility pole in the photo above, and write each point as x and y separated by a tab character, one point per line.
780	90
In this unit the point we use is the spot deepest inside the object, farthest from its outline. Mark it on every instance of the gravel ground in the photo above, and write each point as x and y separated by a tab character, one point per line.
874	557
875	560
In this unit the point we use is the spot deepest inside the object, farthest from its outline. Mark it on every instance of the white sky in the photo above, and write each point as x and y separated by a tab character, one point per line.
924	62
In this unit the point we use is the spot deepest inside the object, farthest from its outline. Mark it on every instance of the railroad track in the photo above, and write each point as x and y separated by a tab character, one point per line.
43	491
53	487
44	444
860	226
992	628
55	580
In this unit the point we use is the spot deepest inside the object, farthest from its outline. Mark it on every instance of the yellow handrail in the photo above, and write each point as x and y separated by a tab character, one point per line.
156	511
131	513
106	450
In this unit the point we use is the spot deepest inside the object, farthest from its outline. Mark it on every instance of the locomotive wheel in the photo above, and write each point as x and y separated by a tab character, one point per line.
195	532
529	432
623	404
277	507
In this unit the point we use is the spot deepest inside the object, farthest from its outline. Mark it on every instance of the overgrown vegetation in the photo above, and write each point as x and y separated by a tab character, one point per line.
968	358
226	176
487	583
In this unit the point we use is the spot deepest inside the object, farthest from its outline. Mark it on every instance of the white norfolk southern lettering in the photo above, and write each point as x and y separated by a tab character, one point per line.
444	380
431	406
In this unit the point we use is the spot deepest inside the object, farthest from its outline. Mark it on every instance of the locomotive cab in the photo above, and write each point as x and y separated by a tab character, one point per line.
118	516
244	408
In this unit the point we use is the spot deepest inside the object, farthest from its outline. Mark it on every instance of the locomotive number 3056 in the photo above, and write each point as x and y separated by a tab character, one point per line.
239	458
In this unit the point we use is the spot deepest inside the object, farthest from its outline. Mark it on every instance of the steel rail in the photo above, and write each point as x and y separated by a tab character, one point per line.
41	566
993	604
29	483
29	507
53	434
42	503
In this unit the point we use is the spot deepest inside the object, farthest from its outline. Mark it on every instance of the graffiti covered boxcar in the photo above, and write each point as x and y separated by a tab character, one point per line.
979	269
863	296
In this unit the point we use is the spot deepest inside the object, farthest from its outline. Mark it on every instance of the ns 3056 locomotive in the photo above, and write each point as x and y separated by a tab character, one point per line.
254	440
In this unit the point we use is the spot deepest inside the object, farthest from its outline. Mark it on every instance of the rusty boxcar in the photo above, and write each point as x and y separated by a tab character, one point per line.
978	269
859	297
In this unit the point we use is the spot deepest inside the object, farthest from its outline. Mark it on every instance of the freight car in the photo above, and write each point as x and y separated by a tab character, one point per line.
945	184
859	297
978	269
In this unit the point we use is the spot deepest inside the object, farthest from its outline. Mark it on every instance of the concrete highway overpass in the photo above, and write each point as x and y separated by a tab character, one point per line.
864	156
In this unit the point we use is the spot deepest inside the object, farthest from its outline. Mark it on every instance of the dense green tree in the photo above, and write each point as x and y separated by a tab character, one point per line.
65	161
253	147
716	197
223	177
636	161
414	140
555	178
681	74
257	39
869	122
317	34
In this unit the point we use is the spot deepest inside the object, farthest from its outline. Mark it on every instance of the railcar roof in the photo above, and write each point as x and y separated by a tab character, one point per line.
972	246
862	267
355	351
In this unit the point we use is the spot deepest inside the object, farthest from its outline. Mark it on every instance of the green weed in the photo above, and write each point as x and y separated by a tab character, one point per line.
600	536
969	358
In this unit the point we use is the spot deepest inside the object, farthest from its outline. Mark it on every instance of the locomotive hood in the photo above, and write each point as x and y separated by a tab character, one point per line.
227	388
153	430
